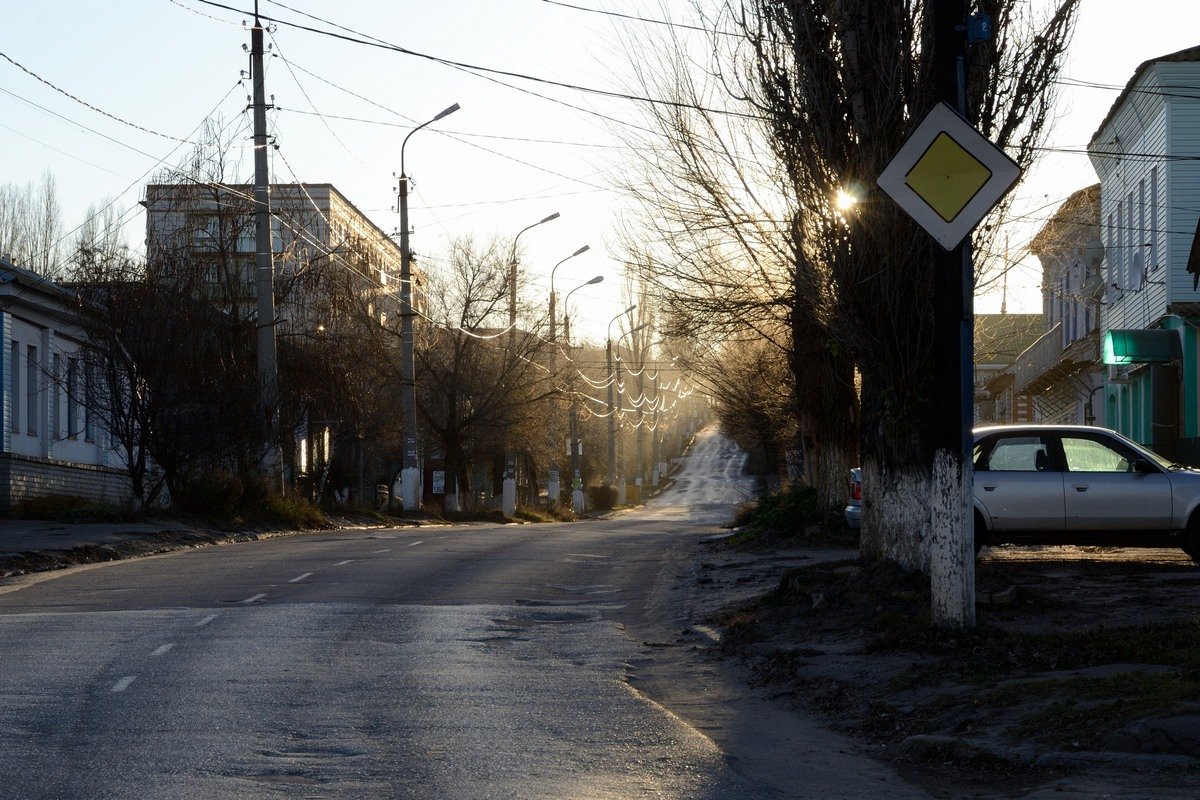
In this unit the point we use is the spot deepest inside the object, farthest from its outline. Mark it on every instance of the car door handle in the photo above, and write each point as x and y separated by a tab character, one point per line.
1081	487
988	487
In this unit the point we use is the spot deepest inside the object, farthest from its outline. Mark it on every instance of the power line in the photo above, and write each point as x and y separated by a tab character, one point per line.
86	104
452	136
370	41
648	20
498	137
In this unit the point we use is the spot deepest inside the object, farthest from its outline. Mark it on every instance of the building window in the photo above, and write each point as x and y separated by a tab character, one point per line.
1119	277
31	390
72	396
89	403
1154	218
1143	235
55	397
1131	279
14	385
1111	258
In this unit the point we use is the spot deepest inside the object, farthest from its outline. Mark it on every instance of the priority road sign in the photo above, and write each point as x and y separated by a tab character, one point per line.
947	176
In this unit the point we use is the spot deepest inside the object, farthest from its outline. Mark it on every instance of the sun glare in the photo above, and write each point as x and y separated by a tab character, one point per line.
845	200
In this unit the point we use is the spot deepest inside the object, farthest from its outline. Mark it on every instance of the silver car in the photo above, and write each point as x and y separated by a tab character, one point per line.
1075	484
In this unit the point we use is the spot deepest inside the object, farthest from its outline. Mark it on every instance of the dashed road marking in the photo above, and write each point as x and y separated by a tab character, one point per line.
249	600
414	544
384	550
206	620
123	684
299	578
162	649
343	563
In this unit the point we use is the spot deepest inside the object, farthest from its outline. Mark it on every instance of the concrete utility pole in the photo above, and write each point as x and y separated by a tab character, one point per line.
615	383
264	272
508	490
952	545
655	469
612	411
575	445
410	472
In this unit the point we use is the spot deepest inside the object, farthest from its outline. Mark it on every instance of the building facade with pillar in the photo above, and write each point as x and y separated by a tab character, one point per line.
51	443
1147	154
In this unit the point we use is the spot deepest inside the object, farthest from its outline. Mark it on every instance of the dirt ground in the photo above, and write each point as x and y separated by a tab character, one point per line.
1081	679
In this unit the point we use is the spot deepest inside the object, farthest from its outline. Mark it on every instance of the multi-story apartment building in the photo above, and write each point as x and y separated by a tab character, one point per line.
333	268
315	233
1147	154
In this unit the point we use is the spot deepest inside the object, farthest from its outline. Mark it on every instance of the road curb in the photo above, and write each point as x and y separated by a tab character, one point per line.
167	540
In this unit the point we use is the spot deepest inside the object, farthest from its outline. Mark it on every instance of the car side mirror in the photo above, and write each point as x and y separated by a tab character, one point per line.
1142	466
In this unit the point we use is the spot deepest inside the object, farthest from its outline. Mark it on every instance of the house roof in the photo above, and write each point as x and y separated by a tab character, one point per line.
1000	338
1188	54
31	281
1077	213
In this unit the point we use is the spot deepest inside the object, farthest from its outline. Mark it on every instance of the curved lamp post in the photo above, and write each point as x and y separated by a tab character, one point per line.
553	296
575	445
512	269
410	473
612	414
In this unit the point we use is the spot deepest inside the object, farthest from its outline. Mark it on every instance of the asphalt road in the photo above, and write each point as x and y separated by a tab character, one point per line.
459	662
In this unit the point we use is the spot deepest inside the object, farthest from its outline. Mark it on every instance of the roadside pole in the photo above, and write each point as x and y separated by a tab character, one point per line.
952	552
264	272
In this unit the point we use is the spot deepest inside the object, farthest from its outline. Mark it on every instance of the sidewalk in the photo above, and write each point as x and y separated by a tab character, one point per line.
40	545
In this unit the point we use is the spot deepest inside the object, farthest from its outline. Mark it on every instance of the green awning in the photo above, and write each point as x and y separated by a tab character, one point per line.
1141	346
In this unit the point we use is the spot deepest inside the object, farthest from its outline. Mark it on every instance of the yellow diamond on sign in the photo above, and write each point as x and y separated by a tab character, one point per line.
947	177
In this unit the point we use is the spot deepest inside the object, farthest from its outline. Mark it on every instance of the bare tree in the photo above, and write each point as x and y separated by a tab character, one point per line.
481	387
816	97
31	225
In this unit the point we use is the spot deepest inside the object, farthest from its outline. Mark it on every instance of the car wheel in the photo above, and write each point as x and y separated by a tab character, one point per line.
1191	539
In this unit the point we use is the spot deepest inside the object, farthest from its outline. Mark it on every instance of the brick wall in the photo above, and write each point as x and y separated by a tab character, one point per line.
24	476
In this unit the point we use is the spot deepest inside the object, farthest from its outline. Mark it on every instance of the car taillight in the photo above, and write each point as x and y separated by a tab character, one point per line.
856	490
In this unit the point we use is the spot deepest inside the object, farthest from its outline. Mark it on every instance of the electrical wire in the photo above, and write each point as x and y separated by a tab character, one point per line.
648	20
86	104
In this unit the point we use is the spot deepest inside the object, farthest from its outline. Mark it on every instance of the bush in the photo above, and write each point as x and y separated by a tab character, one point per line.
603	497
68	508
786	513
291	510
210	494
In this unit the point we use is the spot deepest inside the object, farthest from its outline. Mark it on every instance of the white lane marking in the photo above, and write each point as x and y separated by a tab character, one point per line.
206	620
384	550
414	544
342	563
249	600
299	578
123	684
162	649
587	555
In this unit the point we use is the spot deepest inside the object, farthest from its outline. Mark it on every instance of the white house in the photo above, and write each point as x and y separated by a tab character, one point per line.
1147	154
50	443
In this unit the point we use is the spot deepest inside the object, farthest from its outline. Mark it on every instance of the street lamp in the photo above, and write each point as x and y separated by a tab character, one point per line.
410	473
612	414
567	307
554	269
508	490
512	270
573	417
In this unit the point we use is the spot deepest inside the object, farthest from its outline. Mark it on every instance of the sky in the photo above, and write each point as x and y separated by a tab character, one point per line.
508	158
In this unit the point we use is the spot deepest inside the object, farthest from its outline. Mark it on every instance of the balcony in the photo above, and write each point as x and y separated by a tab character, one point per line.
1045	362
